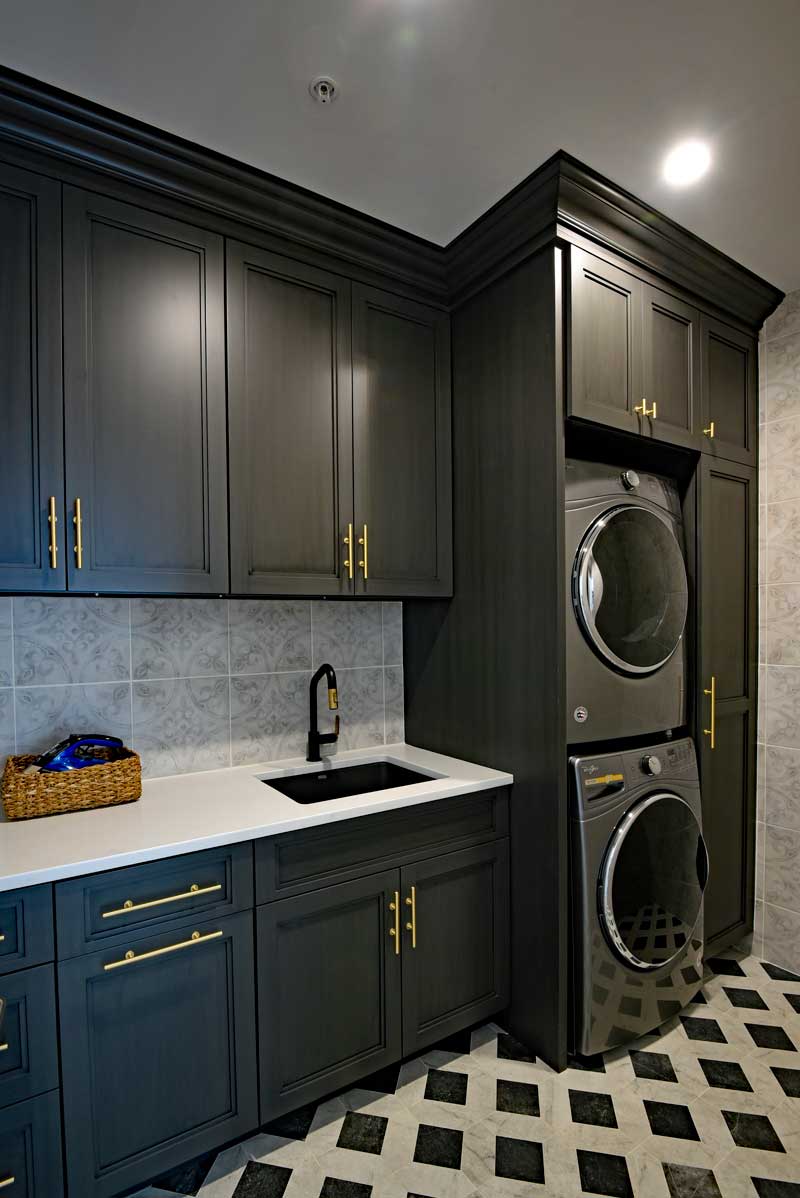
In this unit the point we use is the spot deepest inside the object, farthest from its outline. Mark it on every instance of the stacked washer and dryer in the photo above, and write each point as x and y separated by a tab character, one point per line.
638	859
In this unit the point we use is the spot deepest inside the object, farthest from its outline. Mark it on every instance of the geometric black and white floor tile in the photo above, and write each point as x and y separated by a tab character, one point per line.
707	1107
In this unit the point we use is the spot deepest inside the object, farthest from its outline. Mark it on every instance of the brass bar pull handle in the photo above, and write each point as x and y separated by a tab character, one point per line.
395	931
709	432
411	926
641	409
654	411
52	521
4	1047
129	905
712	731
2	937
132	958
6	1182
348	540
364	562
77	520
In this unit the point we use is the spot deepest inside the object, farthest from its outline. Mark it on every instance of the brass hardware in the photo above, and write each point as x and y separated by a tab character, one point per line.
333	698
363	563
3	1047
395	931
2	937
52	520
129	905
6	1182
411	927
711	732
641	409
77	520
131	957
348	540
653	411
709	432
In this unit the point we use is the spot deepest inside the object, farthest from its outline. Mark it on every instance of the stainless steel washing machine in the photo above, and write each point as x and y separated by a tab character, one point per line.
639	868
627	601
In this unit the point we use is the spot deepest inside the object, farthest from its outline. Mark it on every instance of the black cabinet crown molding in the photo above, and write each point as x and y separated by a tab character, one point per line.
561	198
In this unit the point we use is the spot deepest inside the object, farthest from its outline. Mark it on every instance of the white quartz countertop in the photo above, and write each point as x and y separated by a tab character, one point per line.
198	811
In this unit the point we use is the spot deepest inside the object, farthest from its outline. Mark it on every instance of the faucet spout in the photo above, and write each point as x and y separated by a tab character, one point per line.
315	737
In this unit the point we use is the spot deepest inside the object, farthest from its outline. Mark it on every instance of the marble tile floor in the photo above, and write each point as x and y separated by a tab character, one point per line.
707	1107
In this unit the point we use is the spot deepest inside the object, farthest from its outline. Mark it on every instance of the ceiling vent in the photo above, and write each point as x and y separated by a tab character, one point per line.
324	89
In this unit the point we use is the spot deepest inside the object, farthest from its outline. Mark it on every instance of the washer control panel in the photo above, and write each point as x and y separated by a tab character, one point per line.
602	779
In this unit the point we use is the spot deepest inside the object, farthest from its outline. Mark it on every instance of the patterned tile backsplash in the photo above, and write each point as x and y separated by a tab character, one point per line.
777	915
196	684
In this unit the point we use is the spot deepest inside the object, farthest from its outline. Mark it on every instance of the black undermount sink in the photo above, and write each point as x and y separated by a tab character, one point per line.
343	781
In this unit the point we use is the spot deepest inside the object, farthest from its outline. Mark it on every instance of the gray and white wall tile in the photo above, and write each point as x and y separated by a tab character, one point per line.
181	725
70	640
179	638
395	707
269	716
7	739
6	654
361	704
269	635
778	798
347	633
45	714
392	634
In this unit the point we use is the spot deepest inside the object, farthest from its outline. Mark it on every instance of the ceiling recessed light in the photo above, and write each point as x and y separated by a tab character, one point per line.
687	163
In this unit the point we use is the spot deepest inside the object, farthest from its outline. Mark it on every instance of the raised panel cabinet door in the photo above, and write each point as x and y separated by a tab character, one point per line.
30	1149
144	378
455	949
328	989
605	341
401	446
727	631
672	368
31	401
290	422
730	392
158	1053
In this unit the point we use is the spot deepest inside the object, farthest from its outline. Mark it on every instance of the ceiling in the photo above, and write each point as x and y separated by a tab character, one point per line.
447	104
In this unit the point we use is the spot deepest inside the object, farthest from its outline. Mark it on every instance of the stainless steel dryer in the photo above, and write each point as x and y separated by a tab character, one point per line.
627	600
639	867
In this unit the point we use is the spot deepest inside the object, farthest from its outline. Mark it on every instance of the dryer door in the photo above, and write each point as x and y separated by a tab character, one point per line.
629	589
650	889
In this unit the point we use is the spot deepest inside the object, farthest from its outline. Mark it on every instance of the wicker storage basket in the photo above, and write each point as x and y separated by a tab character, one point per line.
26	796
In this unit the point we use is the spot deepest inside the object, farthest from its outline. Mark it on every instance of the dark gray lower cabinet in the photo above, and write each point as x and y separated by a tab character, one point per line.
30	1149
455	942
328	989
158	1050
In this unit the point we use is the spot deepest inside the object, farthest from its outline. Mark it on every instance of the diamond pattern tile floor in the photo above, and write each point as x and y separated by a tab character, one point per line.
707	1107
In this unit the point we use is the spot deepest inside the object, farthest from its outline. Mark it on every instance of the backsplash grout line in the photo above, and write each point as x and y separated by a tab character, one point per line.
13	681
230	686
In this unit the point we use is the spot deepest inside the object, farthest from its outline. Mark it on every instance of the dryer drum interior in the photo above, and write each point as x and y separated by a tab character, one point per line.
651	883
629	589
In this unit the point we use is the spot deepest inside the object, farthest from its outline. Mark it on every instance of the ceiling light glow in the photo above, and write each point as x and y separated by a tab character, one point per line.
686	163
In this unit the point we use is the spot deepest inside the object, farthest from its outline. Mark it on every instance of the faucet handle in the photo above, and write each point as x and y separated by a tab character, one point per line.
336	726
333	698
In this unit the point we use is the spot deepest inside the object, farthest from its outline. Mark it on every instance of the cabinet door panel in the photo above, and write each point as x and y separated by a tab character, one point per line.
30	1148
458	972
730	371
605	338
728	591
672	367
31	464
144	399
402	445
29	1056
158	1055
328	990
290	402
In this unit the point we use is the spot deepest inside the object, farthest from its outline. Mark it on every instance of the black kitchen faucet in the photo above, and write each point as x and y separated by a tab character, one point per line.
315	737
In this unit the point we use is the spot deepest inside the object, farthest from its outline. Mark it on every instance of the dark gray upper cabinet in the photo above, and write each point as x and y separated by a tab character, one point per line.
401	446
605	343
158	1053
455	913
144	379
328	989
32	471
728	597
290	421
671	346
730	374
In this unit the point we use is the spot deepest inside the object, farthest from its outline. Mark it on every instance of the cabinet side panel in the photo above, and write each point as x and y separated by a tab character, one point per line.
484	672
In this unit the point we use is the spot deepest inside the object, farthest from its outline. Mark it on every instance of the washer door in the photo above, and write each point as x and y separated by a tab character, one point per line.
650	889
629	589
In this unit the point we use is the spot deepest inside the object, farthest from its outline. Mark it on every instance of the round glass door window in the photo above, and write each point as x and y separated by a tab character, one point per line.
651	884
629	589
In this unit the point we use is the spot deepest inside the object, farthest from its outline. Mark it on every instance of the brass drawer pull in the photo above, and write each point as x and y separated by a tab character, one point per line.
364	561
641	409
395	931
712	731
77	520
131	958
2	937
52	521
709	432
129	905
348	540
6	1182
411	926
4	1047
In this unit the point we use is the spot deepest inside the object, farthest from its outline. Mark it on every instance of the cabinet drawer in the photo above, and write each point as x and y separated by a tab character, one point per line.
28	1053
26	927
125	904
30	1149
299	861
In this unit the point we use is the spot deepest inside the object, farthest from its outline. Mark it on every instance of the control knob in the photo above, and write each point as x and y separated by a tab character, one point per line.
629	480
651	764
